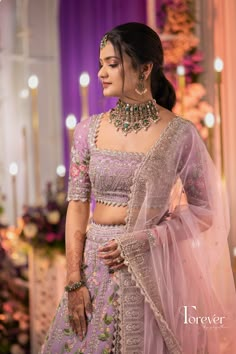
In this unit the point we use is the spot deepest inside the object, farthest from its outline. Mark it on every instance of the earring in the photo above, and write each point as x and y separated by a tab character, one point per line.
140	89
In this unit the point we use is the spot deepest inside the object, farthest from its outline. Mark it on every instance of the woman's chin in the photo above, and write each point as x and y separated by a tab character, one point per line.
109	94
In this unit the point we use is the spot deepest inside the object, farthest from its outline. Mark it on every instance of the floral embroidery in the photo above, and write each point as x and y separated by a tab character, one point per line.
108	319
104	336
79	182
106	351
74	170
78	169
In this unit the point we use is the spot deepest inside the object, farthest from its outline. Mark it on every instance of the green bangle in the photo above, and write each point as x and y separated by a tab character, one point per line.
74	286
83	266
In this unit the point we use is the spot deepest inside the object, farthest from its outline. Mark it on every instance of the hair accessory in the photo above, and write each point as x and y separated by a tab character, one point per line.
74	286
104	41
141	89
134	117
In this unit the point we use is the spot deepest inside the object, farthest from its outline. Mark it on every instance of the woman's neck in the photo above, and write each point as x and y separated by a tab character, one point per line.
136	100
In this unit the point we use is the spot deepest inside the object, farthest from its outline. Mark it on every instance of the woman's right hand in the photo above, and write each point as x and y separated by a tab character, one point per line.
80	310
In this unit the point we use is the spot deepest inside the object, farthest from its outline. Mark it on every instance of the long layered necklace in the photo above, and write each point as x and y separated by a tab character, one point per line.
133	117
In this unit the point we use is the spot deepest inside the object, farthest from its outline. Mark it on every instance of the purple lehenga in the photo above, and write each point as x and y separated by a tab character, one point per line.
176	293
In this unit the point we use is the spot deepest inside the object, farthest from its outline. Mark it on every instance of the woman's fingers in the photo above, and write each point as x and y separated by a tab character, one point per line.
78	326
114	261
81	316
117	266
83	326
71	320
109	247
111	256
110	253
79	307
88	306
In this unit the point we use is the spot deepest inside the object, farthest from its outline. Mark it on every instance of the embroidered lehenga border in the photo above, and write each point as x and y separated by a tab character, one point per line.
176	232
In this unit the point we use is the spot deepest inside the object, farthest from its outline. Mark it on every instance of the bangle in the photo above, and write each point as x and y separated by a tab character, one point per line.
83	266
74	286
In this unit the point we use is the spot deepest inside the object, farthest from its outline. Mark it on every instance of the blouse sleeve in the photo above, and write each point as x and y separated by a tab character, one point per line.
79	186
193	168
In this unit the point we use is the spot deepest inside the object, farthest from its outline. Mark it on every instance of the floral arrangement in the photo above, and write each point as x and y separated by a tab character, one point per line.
176	25
44	227
2	200
14	312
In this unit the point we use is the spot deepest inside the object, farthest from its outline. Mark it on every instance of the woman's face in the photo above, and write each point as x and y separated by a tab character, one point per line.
111	77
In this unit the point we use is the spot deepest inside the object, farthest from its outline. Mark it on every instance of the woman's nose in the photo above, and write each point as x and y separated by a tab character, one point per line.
102	73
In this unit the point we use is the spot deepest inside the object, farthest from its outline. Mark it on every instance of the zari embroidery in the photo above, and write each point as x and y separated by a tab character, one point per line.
156	165
111	172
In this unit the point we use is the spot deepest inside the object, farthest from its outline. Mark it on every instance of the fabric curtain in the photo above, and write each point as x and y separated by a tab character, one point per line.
82	25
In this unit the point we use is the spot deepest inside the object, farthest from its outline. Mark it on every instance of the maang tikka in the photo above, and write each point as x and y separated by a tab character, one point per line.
141	89
104	41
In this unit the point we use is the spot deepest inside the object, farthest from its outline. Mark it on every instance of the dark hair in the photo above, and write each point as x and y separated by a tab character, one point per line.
143	45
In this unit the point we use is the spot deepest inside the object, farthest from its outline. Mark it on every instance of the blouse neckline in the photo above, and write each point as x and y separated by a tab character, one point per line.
95	133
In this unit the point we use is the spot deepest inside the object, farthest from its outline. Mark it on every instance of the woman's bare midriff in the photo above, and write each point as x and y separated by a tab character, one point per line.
109	215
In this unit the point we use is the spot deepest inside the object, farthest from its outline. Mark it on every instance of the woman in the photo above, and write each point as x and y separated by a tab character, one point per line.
148	275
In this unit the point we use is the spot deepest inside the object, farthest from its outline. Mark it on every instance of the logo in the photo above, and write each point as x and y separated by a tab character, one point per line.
205	321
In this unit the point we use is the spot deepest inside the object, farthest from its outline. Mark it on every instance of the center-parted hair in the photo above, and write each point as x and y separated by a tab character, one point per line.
143	45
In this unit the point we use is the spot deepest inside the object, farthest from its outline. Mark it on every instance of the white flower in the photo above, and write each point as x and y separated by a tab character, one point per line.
23	325
30	230
60	198
23	338
53	217
16	349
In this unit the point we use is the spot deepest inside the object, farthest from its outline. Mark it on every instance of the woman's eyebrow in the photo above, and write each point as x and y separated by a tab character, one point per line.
110	57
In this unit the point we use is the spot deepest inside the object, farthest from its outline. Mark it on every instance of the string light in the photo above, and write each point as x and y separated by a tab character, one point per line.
180	70
33	82
71	121
209	120
84	79
13	169
218	64
23	93
61	170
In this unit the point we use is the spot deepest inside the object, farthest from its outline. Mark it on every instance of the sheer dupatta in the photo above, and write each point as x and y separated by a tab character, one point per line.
175	247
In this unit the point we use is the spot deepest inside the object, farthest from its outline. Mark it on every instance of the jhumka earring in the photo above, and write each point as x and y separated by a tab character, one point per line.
140	89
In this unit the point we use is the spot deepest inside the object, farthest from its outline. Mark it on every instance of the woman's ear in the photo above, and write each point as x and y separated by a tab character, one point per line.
146	69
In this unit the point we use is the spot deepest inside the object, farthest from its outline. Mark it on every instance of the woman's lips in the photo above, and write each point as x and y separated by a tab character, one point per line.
105	84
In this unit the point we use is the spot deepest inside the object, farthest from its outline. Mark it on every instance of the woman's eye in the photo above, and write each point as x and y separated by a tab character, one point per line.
113	65
110	65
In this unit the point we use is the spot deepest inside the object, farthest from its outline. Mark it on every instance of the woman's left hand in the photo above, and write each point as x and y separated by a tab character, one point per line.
110	253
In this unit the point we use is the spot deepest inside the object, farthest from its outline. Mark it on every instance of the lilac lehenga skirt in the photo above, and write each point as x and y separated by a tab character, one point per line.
117	319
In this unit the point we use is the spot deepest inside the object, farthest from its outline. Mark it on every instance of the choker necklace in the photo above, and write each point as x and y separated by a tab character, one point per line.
134	117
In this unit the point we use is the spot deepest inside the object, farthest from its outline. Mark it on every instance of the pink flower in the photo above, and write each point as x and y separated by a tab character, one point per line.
50	237
7	307
83	168
23	325
74	170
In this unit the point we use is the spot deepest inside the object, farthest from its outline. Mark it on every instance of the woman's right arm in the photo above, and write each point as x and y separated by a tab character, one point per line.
79	189
76	225
79	303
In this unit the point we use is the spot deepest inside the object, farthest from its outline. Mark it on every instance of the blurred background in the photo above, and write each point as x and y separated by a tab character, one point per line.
49	55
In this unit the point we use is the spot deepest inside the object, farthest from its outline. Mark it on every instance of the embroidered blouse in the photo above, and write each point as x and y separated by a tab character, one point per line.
107	174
